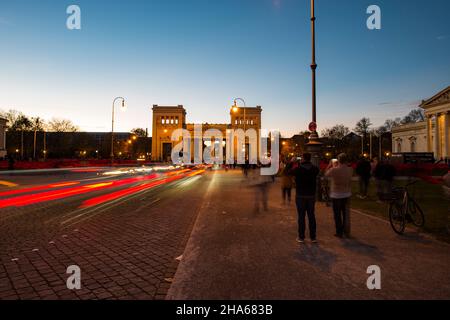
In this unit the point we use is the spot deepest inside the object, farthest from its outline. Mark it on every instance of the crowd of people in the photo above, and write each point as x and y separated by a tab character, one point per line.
304	176
338	175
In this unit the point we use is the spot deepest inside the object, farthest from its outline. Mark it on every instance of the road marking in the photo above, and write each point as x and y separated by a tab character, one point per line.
8	184
64	184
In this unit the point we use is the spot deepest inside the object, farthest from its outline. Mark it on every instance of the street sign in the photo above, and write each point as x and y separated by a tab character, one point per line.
312	127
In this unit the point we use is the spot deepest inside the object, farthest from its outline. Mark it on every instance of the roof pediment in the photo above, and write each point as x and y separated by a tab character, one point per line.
440	98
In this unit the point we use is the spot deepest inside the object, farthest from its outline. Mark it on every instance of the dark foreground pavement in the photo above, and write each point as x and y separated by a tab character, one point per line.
236	253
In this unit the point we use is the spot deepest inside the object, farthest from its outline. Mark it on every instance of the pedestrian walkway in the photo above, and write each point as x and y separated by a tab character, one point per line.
237	253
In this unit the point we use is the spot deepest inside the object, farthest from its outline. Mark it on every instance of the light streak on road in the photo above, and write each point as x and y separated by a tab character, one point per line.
172	176
34	195
36	189
25	200
195	173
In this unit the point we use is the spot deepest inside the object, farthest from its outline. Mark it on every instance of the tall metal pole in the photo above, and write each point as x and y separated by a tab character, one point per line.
362	144
34	144
313	64
380	141
112	127
45	145
21	145
314	146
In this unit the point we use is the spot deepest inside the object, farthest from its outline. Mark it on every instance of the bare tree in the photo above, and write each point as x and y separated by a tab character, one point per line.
363	127
414	116
139	132
62	125
338	132
391	124
37	124
15	119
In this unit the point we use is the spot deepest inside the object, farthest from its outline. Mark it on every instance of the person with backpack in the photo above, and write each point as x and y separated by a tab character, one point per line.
305	175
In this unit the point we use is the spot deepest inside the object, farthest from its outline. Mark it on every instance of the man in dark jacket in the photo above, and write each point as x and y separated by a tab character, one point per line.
384	173
363	170
306	182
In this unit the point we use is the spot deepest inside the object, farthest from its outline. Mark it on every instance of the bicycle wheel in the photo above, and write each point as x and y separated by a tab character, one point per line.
397	217
415	213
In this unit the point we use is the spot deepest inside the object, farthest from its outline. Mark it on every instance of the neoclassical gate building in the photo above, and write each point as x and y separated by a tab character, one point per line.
167	119
431	135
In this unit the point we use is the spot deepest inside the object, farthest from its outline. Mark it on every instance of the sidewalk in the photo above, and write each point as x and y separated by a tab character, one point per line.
235	253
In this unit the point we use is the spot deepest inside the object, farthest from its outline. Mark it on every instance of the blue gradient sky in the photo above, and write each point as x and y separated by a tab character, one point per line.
203	53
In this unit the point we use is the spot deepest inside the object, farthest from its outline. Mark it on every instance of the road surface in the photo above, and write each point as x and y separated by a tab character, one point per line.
194	235
123	228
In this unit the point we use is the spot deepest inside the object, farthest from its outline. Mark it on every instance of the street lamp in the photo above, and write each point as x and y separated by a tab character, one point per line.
112	128
314	145
235	110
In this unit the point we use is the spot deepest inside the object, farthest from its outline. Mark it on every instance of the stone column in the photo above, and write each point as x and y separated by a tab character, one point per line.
446	150
429	133
436	140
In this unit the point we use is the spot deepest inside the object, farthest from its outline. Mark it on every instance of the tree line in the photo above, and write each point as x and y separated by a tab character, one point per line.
373	141
364	127
35	138
18	121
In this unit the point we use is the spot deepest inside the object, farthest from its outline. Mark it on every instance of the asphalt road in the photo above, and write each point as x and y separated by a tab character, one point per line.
123	228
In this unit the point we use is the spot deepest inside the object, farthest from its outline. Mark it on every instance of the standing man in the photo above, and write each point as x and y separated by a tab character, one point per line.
286	181
306	183
363	170
340	193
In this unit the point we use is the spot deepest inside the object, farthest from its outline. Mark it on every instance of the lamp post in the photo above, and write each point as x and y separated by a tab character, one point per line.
236	109
314	145
112	127
45	145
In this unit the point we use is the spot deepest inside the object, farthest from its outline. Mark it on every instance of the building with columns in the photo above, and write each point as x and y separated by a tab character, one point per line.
166	119
411	137
431	135
3	123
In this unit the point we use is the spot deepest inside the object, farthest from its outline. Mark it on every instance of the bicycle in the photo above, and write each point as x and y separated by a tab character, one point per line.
403	208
